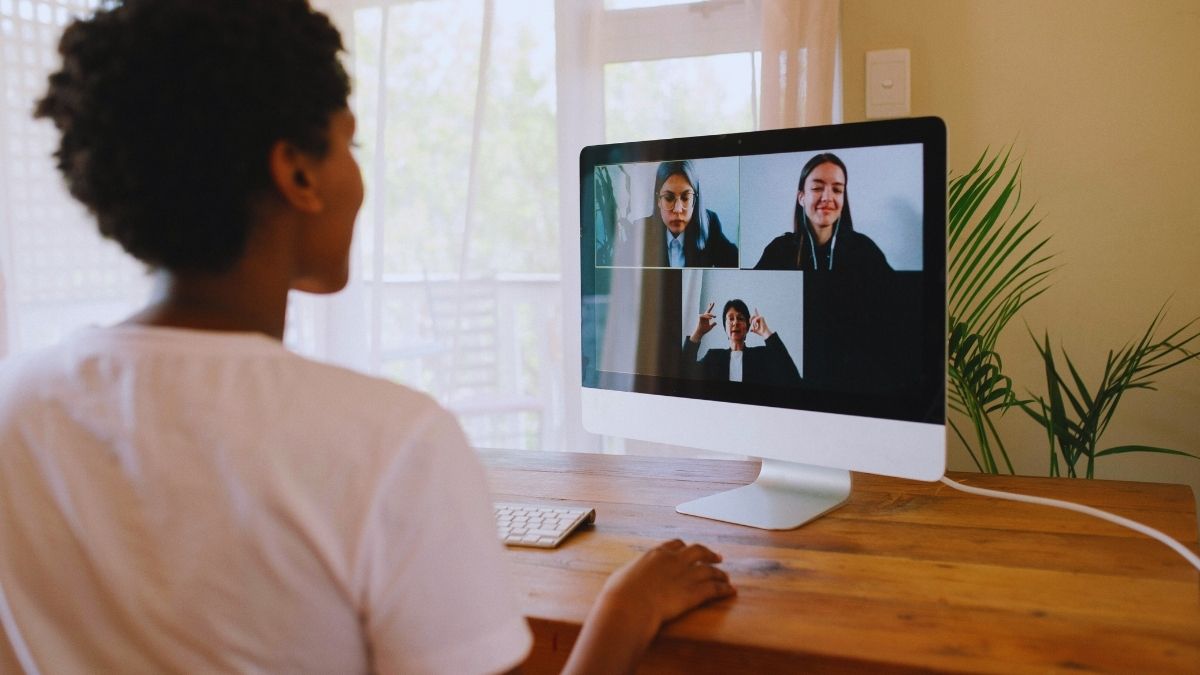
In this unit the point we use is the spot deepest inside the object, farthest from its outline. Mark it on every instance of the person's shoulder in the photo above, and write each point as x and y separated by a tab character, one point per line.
863	241
716	354
780	253
311	394
23	378
34	372
787	240
367	399
867	253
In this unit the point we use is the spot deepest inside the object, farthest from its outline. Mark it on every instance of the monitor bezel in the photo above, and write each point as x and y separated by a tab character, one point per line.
924	400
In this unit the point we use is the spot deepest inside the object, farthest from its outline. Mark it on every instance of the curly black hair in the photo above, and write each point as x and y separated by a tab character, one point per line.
168	110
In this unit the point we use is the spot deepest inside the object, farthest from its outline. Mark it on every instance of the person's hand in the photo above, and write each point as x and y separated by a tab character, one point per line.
637	599
670	579
758	325
705	323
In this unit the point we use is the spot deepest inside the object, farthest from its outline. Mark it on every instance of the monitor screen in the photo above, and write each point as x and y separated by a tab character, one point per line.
797	271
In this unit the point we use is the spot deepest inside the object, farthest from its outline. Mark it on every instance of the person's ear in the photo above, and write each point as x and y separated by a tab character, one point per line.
293	173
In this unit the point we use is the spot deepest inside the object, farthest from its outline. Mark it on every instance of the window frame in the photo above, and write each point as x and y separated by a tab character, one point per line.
587	38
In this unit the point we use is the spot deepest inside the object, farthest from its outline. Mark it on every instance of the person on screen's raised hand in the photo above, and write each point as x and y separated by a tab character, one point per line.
822	235
680	231
237	507
758	325
768	364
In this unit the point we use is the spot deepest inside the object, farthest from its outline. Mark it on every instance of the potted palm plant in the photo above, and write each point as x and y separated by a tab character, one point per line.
996	264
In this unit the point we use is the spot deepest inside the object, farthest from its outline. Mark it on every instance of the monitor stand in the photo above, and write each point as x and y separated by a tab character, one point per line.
784	496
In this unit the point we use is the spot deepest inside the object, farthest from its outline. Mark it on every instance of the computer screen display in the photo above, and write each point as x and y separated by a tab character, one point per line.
777	294
799	269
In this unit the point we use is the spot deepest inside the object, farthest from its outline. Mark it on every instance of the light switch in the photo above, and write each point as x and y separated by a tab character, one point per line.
888	87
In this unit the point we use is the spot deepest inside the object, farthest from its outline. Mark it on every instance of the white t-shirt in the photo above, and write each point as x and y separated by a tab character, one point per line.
188	501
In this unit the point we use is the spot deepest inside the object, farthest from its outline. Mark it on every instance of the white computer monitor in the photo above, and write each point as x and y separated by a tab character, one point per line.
834	237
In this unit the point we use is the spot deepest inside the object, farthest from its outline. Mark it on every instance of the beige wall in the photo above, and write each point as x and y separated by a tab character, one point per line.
1102	100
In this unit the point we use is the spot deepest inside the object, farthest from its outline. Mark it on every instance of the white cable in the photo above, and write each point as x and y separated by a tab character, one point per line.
1071	506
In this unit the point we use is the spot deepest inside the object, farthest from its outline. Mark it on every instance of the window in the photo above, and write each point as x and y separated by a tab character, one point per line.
689	96
457	244
471	116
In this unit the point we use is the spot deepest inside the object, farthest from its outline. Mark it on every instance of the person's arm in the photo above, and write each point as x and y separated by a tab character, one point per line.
639	598
691	344
870	257
782	369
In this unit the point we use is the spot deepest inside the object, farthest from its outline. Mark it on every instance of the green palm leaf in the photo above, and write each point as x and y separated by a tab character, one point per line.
1144	448
995	266
1075	432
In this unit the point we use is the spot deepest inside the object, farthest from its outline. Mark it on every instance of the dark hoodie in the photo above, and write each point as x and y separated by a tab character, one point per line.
854	252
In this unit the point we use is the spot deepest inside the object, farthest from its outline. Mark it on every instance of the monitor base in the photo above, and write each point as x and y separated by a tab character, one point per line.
784	496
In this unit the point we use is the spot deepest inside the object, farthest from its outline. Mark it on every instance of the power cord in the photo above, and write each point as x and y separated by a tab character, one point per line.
1080	508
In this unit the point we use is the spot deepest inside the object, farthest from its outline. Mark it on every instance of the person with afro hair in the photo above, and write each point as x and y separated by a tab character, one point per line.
180	493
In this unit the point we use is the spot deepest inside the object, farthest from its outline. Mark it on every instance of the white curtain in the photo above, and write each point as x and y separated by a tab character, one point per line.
471	116
800	54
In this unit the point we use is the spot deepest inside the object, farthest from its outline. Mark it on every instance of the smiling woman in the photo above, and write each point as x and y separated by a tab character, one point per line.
823	236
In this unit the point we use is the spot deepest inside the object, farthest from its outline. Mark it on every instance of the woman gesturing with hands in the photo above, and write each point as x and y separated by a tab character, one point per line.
769	364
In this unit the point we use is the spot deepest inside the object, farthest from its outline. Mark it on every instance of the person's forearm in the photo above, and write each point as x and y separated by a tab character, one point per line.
613	638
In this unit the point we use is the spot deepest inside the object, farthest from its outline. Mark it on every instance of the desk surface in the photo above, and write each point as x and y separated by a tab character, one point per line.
904	576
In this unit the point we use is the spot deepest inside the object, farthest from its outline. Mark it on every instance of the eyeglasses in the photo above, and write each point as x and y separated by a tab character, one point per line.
668	199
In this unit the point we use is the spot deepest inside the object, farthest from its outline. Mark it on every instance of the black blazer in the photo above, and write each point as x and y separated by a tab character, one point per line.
769	364
718	250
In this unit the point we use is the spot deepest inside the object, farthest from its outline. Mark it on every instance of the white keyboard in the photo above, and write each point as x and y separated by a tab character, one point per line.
540	525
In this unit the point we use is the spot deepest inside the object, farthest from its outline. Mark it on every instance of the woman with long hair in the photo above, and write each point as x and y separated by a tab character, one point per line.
680	231
823	236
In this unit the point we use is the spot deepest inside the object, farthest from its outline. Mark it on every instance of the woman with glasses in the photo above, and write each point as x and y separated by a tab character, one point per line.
679	232
823	236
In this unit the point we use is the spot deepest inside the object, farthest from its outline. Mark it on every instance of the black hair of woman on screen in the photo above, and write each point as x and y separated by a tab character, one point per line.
768	364
823	236
678	214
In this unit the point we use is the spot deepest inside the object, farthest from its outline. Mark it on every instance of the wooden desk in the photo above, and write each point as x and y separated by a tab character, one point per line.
905	576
